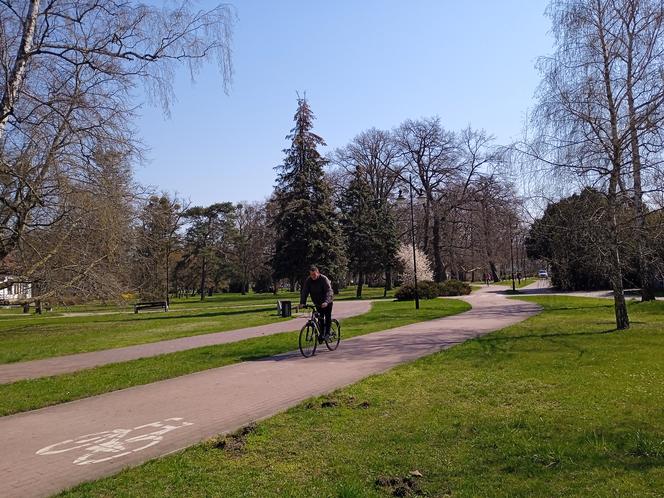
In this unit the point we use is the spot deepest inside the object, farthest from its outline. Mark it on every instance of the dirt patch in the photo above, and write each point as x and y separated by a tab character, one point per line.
235	443
400	486
345	401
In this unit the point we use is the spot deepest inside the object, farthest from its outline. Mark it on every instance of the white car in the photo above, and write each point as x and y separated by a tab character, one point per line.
543	274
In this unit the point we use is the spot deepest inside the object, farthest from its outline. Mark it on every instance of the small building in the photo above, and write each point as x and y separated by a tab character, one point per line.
16	292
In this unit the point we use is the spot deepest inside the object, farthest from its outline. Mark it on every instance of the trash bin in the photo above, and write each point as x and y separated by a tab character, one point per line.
286	308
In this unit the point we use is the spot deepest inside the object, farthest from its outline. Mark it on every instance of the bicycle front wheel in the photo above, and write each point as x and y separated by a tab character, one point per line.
308	339
334	337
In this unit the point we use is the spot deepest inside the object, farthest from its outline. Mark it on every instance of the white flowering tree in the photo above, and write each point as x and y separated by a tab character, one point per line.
405	256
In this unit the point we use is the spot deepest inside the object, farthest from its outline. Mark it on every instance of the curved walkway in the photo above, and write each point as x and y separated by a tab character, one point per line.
12	372
543	287
44	451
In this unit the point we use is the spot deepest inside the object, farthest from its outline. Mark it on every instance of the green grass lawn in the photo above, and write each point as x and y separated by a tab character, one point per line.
31	394
222	300
559	405
30	337
23	339
524	282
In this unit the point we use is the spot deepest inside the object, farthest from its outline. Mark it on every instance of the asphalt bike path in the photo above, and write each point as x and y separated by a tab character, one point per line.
13	372
54	448
544	287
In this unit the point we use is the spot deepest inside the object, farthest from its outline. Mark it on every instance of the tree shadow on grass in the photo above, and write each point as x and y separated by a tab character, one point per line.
546	336
209	314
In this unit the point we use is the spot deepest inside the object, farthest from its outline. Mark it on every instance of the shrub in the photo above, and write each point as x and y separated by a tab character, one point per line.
453	288
426	290
430	290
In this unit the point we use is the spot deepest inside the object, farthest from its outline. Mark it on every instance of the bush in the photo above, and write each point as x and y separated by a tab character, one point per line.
426	290
430	290
453	288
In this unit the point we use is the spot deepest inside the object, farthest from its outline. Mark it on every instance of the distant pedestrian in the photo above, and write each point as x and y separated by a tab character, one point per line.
518	277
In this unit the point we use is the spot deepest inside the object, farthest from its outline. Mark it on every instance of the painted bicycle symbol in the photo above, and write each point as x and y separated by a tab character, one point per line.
108	445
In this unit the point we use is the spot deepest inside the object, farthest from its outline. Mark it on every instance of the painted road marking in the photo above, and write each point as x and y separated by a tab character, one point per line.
107	445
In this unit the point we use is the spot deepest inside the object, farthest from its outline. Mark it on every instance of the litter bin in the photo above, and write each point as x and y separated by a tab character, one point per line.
286	309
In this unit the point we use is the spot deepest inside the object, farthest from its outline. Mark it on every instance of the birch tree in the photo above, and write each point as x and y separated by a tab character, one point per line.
68	70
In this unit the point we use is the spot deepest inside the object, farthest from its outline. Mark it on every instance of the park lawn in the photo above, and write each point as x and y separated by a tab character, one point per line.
524	282
193	303
37	393
31	337
558	405
35	337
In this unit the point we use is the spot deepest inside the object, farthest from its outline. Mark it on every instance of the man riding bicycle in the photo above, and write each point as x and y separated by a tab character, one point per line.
318	286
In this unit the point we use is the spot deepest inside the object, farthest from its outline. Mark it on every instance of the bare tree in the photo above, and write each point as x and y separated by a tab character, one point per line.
250	245
375	153
67	70
157	238
429	155
584	114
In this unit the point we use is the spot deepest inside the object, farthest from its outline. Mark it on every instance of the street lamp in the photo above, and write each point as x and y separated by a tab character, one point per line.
412	231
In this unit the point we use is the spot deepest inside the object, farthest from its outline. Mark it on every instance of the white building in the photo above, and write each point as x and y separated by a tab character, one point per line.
18	291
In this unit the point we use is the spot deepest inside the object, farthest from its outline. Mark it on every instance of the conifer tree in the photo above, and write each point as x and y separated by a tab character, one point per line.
306	224
368	229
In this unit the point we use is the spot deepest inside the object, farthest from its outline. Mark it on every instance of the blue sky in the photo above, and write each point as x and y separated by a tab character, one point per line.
362	64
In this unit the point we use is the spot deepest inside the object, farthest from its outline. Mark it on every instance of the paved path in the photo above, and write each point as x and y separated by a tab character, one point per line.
48	450
543	287
44	451
12	372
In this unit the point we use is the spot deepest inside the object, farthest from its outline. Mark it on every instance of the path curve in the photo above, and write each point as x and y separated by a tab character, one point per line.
183	411
544	287
57	365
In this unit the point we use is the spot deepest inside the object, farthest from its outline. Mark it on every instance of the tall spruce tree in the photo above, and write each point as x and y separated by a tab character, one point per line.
369	230
306	224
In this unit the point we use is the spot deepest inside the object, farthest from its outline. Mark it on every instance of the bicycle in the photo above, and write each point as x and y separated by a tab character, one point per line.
311	334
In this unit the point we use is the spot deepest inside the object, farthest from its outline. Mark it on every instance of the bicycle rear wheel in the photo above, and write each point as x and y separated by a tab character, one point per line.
334	337
308	340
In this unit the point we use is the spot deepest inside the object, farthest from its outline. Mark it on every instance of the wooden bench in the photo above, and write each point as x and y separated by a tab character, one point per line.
151	304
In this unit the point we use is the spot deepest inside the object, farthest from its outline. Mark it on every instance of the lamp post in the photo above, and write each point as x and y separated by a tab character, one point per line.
512	258
412	234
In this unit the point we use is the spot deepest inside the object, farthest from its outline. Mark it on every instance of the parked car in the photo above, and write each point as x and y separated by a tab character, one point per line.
543	274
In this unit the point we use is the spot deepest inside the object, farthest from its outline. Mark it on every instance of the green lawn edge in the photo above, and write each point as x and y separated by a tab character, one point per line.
32	394
40	338
34	337
558	405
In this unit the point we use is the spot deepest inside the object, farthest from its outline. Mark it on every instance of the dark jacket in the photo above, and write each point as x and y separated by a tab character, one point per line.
319	289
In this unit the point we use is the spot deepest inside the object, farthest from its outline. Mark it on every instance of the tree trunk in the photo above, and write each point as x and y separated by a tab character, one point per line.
645	269
622	319
360	283
425	228
494	271
203	269
15	79
388	281
438	267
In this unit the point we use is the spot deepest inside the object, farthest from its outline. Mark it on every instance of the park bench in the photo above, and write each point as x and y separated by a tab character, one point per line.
151	304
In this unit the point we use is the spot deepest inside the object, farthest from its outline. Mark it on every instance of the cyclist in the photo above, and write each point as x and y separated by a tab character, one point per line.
318	286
